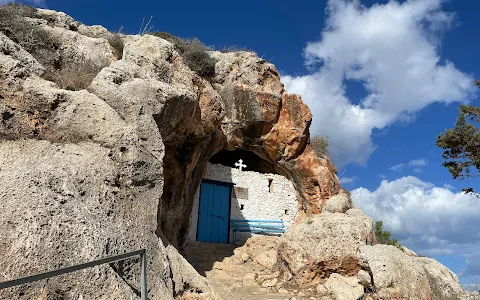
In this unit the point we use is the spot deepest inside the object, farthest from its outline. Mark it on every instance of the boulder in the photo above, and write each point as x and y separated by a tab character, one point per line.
364	279
262	118
257	245
444	283
68	45
78	115
344	288
267	259
58	19
395	273
339	203
324	244
18	59
322	290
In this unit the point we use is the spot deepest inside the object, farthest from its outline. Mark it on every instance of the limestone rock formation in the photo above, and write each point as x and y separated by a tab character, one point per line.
324	244
104	139
410	277
313	249
344	288
339	203
333	252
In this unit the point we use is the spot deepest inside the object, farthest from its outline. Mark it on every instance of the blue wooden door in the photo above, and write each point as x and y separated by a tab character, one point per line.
214	212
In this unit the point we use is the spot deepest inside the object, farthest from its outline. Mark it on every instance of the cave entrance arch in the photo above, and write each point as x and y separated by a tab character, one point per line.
258	193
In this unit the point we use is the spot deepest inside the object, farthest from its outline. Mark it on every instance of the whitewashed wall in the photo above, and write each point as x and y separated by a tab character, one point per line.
276	203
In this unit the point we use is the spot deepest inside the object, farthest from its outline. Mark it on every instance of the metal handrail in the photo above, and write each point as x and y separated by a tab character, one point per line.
61	271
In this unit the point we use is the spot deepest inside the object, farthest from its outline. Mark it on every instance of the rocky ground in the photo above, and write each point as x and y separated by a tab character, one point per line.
331	256
238	279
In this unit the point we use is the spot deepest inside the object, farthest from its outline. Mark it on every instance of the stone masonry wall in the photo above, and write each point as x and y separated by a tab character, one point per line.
266	201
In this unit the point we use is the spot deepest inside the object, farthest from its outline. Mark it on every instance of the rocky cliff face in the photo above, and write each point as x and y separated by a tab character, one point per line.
176	116
104	140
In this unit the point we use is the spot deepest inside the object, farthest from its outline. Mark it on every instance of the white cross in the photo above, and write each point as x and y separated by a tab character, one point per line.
240	164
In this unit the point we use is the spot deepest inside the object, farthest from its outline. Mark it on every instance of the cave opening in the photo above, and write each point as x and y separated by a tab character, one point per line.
250	159
227	194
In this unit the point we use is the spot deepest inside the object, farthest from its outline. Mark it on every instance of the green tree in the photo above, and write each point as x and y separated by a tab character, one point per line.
384	237
462	145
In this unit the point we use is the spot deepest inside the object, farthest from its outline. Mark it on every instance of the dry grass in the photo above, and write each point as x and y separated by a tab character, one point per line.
145	28
234	48
194	53
73	77
38	42
167	36
319	145
117	44
35	40
473	289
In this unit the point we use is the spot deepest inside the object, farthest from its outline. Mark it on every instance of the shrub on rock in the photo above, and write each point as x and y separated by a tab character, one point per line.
193	52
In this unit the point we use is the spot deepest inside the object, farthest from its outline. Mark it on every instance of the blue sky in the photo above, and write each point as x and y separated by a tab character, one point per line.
382	78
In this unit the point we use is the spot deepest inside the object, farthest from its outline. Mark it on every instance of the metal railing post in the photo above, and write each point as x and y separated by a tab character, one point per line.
143	275
143	271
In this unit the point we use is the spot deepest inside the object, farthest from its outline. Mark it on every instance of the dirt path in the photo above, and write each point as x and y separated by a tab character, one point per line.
230	278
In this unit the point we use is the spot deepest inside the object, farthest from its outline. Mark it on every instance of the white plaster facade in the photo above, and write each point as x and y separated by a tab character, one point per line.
270	197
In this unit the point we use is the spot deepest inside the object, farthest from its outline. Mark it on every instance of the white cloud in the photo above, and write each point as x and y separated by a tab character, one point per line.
448	187
397	167
346	180
417	163
429	219
392	49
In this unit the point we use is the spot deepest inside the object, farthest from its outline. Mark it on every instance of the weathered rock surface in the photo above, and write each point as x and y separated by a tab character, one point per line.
312	249
325	244
111	164
259	246
333	253
408	251
395	273
365	279
187	283
61	205
344	288
339	203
